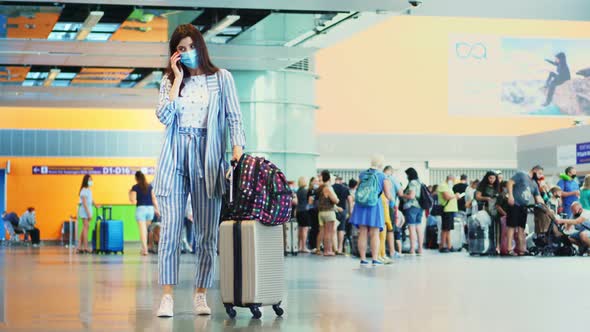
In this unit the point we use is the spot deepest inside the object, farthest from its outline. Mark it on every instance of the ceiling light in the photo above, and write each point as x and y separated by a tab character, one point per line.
220	26
300	38
89	23
51	77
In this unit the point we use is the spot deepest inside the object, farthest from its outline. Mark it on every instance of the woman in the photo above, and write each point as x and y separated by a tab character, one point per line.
327	208
555	79
85	206
370	219
412	210
312	211
585	193
302	215
198	103
142	195
486	195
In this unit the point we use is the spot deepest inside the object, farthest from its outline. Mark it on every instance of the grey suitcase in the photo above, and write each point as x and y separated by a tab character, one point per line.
291	237
458	233
251	266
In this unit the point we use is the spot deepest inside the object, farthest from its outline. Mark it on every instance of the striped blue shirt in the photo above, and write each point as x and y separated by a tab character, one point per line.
224	115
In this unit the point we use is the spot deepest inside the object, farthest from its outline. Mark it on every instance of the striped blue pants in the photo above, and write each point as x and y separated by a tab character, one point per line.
189	178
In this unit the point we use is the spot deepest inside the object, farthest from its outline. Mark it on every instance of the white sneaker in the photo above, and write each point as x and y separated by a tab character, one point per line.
200	305
166	306
385	260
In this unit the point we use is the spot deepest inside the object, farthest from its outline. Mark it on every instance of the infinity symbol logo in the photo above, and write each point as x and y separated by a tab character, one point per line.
476	51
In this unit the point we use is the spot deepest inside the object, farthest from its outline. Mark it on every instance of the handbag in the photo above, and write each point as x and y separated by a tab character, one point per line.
438	209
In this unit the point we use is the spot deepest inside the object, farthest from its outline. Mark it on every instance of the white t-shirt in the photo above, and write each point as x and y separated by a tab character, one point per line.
585	226
194	102
85	192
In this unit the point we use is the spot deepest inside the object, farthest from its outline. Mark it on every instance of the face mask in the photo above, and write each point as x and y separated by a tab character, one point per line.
316	186
90	183
535	176
190	59
577	215
293	189
450	183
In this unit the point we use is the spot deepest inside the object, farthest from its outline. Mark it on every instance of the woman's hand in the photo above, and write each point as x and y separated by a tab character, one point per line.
237	153
176	68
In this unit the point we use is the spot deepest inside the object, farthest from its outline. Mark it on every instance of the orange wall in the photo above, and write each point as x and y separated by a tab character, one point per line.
55	197
392	78
71	118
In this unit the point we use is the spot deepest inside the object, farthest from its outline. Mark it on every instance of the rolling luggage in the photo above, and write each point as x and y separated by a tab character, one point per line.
479	242
457	233
251	266
108	234
291	237
432	236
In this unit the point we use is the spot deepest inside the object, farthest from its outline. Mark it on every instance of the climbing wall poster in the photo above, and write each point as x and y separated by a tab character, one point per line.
501	76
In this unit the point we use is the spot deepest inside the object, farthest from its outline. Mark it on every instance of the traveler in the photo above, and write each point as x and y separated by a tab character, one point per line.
555	200
27	223
581	220
367	214
327	207
522	192
487	194
470	196
448	199
10	220
585	193
312	210
383	234
413	211
302	215
142	195
154	235
460	188
345	203
352	185
570	189
395	233
85	208
198	104
500	176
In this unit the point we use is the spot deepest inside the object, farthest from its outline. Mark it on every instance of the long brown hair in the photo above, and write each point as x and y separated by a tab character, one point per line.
188	30
141	182
85	180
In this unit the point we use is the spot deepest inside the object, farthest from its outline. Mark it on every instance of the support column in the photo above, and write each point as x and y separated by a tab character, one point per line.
279	118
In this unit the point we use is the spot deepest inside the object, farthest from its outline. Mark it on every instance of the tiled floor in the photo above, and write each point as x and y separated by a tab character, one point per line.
48	289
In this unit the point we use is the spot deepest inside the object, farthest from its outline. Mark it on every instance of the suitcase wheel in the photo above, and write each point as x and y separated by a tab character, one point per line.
256	314
231	312
278	310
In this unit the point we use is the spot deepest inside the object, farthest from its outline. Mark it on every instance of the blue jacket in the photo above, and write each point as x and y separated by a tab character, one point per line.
224	115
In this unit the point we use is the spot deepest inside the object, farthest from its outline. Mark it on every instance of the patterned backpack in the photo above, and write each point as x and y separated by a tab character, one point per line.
258	191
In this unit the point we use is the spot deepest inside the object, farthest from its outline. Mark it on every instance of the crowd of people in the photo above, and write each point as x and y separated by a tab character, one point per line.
379	210
328	211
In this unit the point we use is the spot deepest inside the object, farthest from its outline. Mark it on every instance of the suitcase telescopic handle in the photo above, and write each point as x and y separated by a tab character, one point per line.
230	177
104	213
